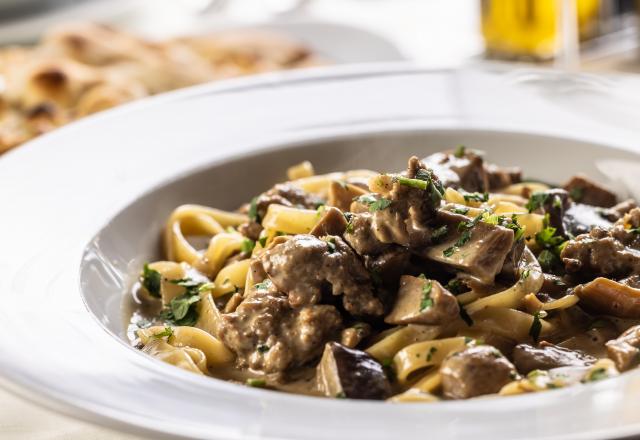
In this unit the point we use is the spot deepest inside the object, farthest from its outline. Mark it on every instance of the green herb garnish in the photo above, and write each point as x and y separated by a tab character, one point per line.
537	200
465	316
256	383
265	285
167	332
430	353
439	233
525	274
426	300
263	348
595	375
341	395
414	183
576	193
455	286
460	151
463	211
247	245
536	325
151	281
374	203
253	210
476	197
182	310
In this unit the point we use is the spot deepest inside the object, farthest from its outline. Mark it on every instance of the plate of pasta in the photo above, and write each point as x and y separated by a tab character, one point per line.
391	278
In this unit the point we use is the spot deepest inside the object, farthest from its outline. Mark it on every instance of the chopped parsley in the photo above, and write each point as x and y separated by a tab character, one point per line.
576	193
387	362
536	325
460	151
262	241
426	300
525	274
341	395
552	245
548	260
537	200
167	332
456	286
374	203
465	236
414	183
465	316
265	285
434	188
256	383
439	233
151	280
476	197
247	245
595	375
331	244
253	210
182	310
263	348
463	211
430	353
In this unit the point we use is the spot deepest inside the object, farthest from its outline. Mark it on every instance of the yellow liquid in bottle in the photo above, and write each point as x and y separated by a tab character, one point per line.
529	28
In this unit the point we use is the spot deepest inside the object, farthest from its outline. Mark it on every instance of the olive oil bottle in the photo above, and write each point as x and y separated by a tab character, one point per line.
531	29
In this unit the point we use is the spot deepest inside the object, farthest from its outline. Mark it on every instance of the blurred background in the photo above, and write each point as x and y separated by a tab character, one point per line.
61	60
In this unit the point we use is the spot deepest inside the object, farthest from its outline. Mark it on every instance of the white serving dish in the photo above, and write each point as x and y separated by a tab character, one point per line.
82	208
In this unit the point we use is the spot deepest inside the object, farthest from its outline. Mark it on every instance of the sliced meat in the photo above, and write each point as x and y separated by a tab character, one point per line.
618	211
360	236
600	253
423	301
500	177
610	297
405	221
251	230
268	335
286	194
625	350
482	256
389	265
304	265
463	168
475	371
332	222
584	190
352	374
547	356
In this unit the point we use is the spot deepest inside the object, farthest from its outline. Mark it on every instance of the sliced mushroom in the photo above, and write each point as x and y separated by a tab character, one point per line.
611	298
547	356
580	219
618	211
351	374
482	256
476	371
342	194
422	301
332	222
584	190
625	350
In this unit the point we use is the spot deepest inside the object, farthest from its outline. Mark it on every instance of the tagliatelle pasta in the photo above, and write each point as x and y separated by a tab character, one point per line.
450	280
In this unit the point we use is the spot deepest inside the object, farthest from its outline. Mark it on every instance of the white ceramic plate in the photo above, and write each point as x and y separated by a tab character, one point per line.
82	207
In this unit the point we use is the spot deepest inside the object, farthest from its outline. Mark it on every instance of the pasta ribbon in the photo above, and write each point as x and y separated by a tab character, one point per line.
221	247
509	323
320	184
530	281
303	169
216	352
170	271
385	349
231	278
195	220
189	359
290	220
524	188
425	354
